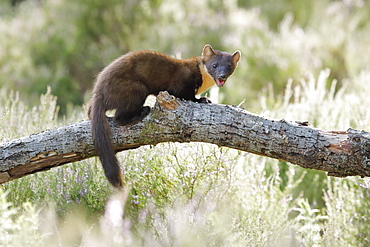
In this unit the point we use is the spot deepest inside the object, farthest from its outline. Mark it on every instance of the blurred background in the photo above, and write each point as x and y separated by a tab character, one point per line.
306	60
65	43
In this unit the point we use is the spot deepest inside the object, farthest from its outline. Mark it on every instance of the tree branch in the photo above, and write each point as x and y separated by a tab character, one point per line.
340	153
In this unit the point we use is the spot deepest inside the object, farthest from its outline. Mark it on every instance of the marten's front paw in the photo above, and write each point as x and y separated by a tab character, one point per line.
204	100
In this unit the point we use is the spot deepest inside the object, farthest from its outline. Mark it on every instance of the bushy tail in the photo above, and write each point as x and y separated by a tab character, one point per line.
103	145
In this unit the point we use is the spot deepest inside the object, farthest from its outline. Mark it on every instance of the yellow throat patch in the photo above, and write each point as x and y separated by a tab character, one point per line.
207	80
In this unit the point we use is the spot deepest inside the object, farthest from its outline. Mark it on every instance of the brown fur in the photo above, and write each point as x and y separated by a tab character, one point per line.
126	82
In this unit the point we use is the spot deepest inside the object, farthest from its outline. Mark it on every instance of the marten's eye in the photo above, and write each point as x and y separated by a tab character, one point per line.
229	66
214	65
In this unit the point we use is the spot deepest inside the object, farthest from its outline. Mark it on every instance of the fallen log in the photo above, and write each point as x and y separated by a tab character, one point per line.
340	153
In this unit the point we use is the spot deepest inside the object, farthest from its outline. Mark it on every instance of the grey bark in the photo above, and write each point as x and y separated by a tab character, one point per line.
340	153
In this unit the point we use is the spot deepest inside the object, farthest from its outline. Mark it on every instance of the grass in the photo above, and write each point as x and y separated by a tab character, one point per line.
191	194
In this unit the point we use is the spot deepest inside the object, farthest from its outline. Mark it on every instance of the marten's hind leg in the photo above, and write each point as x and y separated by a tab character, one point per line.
126	118
130	109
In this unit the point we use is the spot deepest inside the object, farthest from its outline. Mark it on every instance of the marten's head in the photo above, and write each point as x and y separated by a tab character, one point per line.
220	65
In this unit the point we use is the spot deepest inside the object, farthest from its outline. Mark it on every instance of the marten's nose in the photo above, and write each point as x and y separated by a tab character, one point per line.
222	76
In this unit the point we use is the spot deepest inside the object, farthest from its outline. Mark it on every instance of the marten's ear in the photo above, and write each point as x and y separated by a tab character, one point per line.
208	51
236	57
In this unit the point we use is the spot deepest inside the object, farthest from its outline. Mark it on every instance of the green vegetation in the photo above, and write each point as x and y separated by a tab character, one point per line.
301	60
64	44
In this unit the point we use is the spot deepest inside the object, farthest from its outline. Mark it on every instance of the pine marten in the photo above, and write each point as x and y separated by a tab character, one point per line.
126	82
